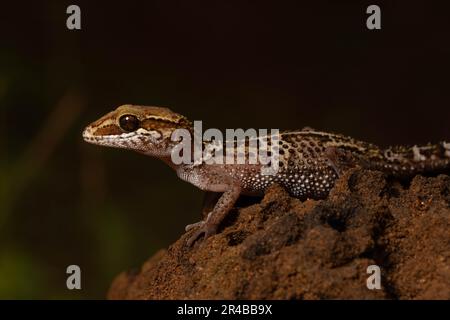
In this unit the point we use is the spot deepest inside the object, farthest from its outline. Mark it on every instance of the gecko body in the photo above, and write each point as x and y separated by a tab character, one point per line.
309	161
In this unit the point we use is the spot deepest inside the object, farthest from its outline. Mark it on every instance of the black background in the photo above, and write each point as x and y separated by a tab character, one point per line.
249	64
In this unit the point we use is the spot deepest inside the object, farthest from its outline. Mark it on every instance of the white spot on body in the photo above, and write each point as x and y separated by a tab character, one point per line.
417	155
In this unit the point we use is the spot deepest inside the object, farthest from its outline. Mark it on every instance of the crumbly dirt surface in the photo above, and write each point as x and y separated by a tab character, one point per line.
283	248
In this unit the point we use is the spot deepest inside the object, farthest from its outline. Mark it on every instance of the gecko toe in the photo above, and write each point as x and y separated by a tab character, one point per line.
194	225
205	230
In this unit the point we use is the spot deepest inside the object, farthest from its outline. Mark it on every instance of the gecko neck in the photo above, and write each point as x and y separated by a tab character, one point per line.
164	153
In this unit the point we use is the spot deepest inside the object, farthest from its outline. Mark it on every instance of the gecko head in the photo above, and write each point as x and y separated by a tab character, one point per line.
140	128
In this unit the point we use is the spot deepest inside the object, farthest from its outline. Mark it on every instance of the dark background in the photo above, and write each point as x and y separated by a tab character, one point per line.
230	63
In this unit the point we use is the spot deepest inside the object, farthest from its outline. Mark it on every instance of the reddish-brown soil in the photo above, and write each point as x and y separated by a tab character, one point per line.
282	248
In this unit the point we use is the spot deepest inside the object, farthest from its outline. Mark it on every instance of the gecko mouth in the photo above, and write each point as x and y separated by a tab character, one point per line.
90	137
129	140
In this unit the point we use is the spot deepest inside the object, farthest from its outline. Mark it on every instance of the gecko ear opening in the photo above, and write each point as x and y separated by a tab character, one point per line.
129	122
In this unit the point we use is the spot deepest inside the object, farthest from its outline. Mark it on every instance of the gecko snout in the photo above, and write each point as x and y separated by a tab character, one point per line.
88	134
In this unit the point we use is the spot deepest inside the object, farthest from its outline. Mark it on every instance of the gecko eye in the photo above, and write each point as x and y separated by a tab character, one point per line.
129	122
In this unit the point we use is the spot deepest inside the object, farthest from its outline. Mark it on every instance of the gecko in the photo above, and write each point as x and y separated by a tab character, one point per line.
309	162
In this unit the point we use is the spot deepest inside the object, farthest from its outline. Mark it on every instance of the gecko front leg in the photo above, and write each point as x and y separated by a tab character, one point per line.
208	227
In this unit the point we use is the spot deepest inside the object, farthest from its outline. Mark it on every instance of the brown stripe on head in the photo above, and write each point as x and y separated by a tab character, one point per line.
149	117
155	118
108	129
151	112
